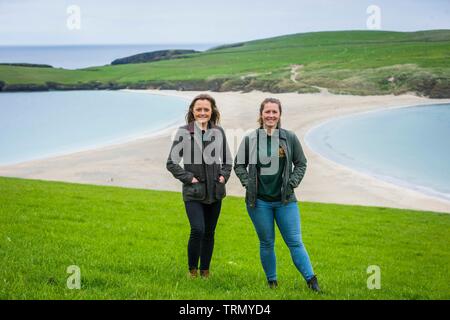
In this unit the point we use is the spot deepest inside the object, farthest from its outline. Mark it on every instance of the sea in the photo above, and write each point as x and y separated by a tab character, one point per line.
407	146
83	56
35	125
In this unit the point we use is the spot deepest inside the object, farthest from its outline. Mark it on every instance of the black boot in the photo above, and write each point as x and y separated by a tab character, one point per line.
272	284
313	284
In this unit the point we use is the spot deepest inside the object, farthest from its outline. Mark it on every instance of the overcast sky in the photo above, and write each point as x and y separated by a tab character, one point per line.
43	22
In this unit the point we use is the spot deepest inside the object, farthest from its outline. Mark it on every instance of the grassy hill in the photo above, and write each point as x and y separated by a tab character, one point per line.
352	62
131	244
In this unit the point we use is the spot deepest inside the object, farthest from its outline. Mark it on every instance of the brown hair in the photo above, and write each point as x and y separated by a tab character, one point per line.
261	109
215	114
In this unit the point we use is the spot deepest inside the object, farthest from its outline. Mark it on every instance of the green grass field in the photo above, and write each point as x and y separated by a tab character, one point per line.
131	244
355	62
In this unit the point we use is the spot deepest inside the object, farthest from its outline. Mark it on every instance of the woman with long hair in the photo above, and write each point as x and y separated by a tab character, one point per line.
270	164
202	146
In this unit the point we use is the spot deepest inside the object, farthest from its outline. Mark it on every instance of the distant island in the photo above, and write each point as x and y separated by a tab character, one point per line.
153	56
342	62
32	65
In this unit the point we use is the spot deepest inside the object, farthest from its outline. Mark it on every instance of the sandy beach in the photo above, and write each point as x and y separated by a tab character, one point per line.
142	163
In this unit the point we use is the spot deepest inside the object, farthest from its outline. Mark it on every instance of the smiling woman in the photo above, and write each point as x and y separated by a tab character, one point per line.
270	178
203	175
37	125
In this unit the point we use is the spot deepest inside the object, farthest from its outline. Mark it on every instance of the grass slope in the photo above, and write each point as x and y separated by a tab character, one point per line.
131	244
356	62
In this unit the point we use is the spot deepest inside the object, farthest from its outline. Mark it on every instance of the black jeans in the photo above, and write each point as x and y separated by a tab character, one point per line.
203	220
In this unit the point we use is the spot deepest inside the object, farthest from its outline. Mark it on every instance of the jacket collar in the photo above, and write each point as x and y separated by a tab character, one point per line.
192	124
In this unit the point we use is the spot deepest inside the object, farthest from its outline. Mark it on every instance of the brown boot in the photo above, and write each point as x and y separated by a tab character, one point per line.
204	274
193	273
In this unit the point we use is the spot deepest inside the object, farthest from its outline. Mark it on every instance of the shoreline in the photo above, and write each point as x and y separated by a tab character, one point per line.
141	163
386	178
152	133
103	145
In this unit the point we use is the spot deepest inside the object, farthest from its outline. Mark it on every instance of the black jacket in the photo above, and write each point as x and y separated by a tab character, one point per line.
205	156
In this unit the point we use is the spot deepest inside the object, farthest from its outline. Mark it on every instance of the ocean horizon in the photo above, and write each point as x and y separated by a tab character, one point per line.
83	56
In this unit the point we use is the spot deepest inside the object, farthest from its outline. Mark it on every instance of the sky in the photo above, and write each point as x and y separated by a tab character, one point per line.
55	22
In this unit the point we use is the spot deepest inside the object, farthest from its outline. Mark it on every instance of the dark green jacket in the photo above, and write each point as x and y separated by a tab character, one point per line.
188	146
245	165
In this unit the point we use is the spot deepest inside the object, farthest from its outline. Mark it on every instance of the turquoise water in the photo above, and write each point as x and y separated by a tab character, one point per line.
406	146
39	124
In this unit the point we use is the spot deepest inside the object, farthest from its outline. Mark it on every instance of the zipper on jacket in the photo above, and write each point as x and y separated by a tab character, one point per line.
283	175
204	168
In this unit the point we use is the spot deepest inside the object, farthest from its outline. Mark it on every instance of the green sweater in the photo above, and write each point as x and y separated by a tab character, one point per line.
294	169
270	181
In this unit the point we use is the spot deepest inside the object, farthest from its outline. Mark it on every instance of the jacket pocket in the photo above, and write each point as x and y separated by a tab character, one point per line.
194	191
289	190
220	190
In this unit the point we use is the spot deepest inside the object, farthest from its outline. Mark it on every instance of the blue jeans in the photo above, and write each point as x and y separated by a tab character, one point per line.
287	217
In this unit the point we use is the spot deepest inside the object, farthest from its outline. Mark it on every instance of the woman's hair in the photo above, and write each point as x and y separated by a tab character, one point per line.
261	109
215	115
